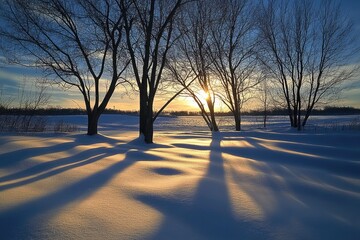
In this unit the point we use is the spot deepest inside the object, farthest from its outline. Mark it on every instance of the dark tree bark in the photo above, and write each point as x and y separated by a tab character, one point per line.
93	123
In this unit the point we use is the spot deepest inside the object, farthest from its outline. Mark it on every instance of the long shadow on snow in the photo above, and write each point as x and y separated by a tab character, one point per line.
23	220
49	168
12	158
289	190
283	156
293	155
210	214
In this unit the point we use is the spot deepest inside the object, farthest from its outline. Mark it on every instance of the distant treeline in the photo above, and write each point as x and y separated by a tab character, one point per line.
279	111
329	110
77	111
56	111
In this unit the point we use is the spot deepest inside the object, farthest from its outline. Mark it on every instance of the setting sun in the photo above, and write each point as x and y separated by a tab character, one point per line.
202	95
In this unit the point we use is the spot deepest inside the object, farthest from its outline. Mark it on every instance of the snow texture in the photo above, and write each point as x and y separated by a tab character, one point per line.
255	184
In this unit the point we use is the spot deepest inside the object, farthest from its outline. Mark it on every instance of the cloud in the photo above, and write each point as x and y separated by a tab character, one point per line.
5	82
351	97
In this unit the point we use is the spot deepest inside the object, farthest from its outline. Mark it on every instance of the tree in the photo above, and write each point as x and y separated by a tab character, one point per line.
265	97
307	47
31	97
78	42
191	64
232	52
180	71
149	29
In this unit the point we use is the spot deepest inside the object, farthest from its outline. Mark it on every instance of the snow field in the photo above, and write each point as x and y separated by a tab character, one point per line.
255	184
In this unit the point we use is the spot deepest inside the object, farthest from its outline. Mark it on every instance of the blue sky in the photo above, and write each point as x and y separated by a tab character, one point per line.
12	76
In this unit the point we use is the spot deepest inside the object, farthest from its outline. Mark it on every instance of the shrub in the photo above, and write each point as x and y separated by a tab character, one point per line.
62	126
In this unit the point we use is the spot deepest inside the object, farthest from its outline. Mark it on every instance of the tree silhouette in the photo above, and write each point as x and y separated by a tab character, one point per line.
149	36
79	42
307	48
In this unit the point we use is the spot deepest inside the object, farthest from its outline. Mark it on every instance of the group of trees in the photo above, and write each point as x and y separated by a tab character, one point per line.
306	47
224	48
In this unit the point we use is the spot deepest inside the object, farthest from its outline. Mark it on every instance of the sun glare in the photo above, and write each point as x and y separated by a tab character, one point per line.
202	95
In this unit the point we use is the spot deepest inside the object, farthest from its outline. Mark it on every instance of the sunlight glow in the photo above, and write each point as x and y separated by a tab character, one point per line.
202	95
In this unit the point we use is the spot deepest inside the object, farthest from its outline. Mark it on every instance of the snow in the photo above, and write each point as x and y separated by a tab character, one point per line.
272	183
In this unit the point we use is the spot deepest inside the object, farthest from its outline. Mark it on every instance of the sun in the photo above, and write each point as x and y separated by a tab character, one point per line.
202	96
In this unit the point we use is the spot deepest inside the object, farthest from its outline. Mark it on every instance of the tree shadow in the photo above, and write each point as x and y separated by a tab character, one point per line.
10	159
294	153
19	221
287	192
283	187
49	168
209	215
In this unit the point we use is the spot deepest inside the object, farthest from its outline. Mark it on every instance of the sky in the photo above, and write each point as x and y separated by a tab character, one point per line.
11	77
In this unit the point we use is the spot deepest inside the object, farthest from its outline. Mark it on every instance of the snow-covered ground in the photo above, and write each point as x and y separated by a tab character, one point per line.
271	183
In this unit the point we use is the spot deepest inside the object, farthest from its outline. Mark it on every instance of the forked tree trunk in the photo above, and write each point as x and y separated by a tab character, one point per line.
307	115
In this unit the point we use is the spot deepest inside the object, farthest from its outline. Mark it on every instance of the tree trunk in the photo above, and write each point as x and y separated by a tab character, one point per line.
93	119
299	118
143	110
149	132
146	119
307	115
294	117
290	113
265	118
236	113
237	123
214	128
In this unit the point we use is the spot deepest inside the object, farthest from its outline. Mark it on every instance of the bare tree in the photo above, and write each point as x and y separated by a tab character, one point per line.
20	115
31	98
78	42
180	71
149	36
233	40
307	47
191	64
266	97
